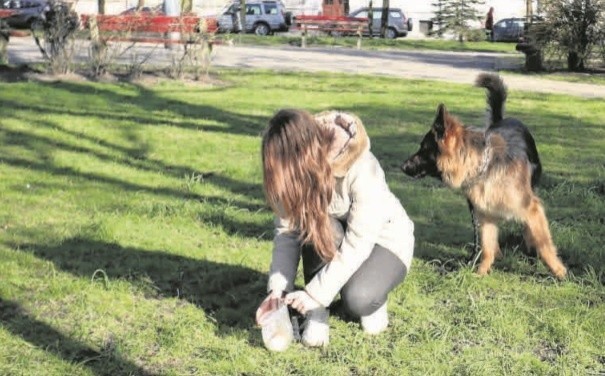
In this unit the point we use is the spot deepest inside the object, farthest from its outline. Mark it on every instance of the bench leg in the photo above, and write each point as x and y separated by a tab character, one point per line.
4	36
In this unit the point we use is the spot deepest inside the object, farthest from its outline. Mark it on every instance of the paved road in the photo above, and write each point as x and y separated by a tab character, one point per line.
446	66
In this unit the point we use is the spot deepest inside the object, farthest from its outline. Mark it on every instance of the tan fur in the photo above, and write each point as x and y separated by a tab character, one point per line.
458	160
503	193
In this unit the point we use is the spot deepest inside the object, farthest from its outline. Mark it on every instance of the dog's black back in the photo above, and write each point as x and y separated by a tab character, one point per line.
520	144
519	140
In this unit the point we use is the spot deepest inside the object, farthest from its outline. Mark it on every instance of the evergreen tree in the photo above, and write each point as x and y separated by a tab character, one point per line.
437	21
453	16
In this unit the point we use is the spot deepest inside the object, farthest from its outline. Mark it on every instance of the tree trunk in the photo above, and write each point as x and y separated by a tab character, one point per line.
140	4
186	6
101	5
370	19
242	16
384	22
574	62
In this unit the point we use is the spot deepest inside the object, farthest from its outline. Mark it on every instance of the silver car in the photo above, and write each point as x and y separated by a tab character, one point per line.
263	17
398	25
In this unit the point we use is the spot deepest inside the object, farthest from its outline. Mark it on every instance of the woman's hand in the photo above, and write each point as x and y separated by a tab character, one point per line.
268	305
302	302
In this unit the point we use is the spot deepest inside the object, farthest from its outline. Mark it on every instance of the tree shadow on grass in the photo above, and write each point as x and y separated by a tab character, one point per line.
106	361
227	293
154	109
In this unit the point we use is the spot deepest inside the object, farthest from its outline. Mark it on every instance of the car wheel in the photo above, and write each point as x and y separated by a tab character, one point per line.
261	29
390	33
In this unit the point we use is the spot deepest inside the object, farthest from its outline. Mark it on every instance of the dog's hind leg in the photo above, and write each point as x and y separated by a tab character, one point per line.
538	234
529	243
489	244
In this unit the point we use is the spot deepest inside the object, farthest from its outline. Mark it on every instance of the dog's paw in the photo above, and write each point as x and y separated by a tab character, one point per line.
560	272
483	270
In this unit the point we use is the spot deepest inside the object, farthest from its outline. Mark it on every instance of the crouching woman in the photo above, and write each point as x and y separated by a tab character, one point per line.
335	211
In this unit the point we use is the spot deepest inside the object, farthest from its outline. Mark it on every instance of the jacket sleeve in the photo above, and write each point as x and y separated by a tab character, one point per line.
286	254
364	223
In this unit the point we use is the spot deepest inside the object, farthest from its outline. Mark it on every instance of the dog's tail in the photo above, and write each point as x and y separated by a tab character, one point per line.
496	95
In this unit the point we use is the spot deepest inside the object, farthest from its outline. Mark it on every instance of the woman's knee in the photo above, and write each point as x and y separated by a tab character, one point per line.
361	301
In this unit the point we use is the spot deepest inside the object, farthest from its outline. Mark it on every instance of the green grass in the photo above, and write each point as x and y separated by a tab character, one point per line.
585	78
134	238
374	43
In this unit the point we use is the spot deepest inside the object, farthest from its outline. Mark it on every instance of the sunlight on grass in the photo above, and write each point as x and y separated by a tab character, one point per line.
373	43
134	236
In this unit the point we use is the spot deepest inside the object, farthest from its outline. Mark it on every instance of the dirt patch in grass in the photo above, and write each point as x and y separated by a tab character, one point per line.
548	352
15	74
22	73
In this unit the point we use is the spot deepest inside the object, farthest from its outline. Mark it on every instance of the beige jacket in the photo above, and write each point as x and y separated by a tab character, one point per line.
361	198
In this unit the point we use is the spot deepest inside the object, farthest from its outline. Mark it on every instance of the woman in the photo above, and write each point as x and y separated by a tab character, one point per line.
335	211
489	24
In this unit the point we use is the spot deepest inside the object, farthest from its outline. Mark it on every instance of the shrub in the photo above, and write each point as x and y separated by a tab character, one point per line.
54	33
572	32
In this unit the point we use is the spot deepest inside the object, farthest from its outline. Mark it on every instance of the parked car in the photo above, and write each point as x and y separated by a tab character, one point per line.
157	10
26	11
263	17
398	25
511	29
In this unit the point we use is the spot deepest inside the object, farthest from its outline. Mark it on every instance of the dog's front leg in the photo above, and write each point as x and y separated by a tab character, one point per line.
475	222
489	244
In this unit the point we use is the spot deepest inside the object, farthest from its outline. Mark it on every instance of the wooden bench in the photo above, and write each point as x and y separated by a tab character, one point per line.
149	28
335	26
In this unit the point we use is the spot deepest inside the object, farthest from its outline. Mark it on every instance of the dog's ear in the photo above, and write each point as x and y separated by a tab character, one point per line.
439	124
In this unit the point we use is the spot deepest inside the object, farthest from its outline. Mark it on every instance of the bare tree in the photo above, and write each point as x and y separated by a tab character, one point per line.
54	33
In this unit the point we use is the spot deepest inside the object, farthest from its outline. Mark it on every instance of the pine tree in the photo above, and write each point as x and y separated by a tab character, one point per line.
454	15
438	19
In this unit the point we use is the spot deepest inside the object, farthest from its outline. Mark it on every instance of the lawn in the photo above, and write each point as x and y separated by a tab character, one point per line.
372	43
134	237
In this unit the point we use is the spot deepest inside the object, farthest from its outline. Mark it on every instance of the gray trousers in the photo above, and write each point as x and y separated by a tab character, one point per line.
368	287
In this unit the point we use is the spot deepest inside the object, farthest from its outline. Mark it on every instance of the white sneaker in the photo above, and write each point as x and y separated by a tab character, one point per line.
377	322
316	331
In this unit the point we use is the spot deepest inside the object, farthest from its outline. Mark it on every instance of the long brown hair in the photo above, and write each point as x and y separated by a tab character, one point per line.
297	176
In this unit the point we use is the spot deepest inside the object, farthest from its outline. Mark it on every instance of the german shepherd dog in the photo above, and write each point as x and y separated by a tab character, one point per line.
496	168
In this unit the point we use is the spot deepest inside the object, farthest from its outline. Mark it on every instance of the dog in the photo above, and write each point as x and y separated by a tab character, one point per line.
496	168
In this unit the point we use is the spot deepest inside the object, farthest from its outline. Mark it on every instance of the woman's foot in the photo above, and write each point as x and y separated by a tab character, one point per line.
316	332
376	322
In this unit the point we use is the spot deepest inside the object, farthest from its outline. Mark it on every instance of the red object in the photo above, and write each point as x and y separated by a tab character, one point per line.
325	18
4	13
330	23
333	8
144	22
